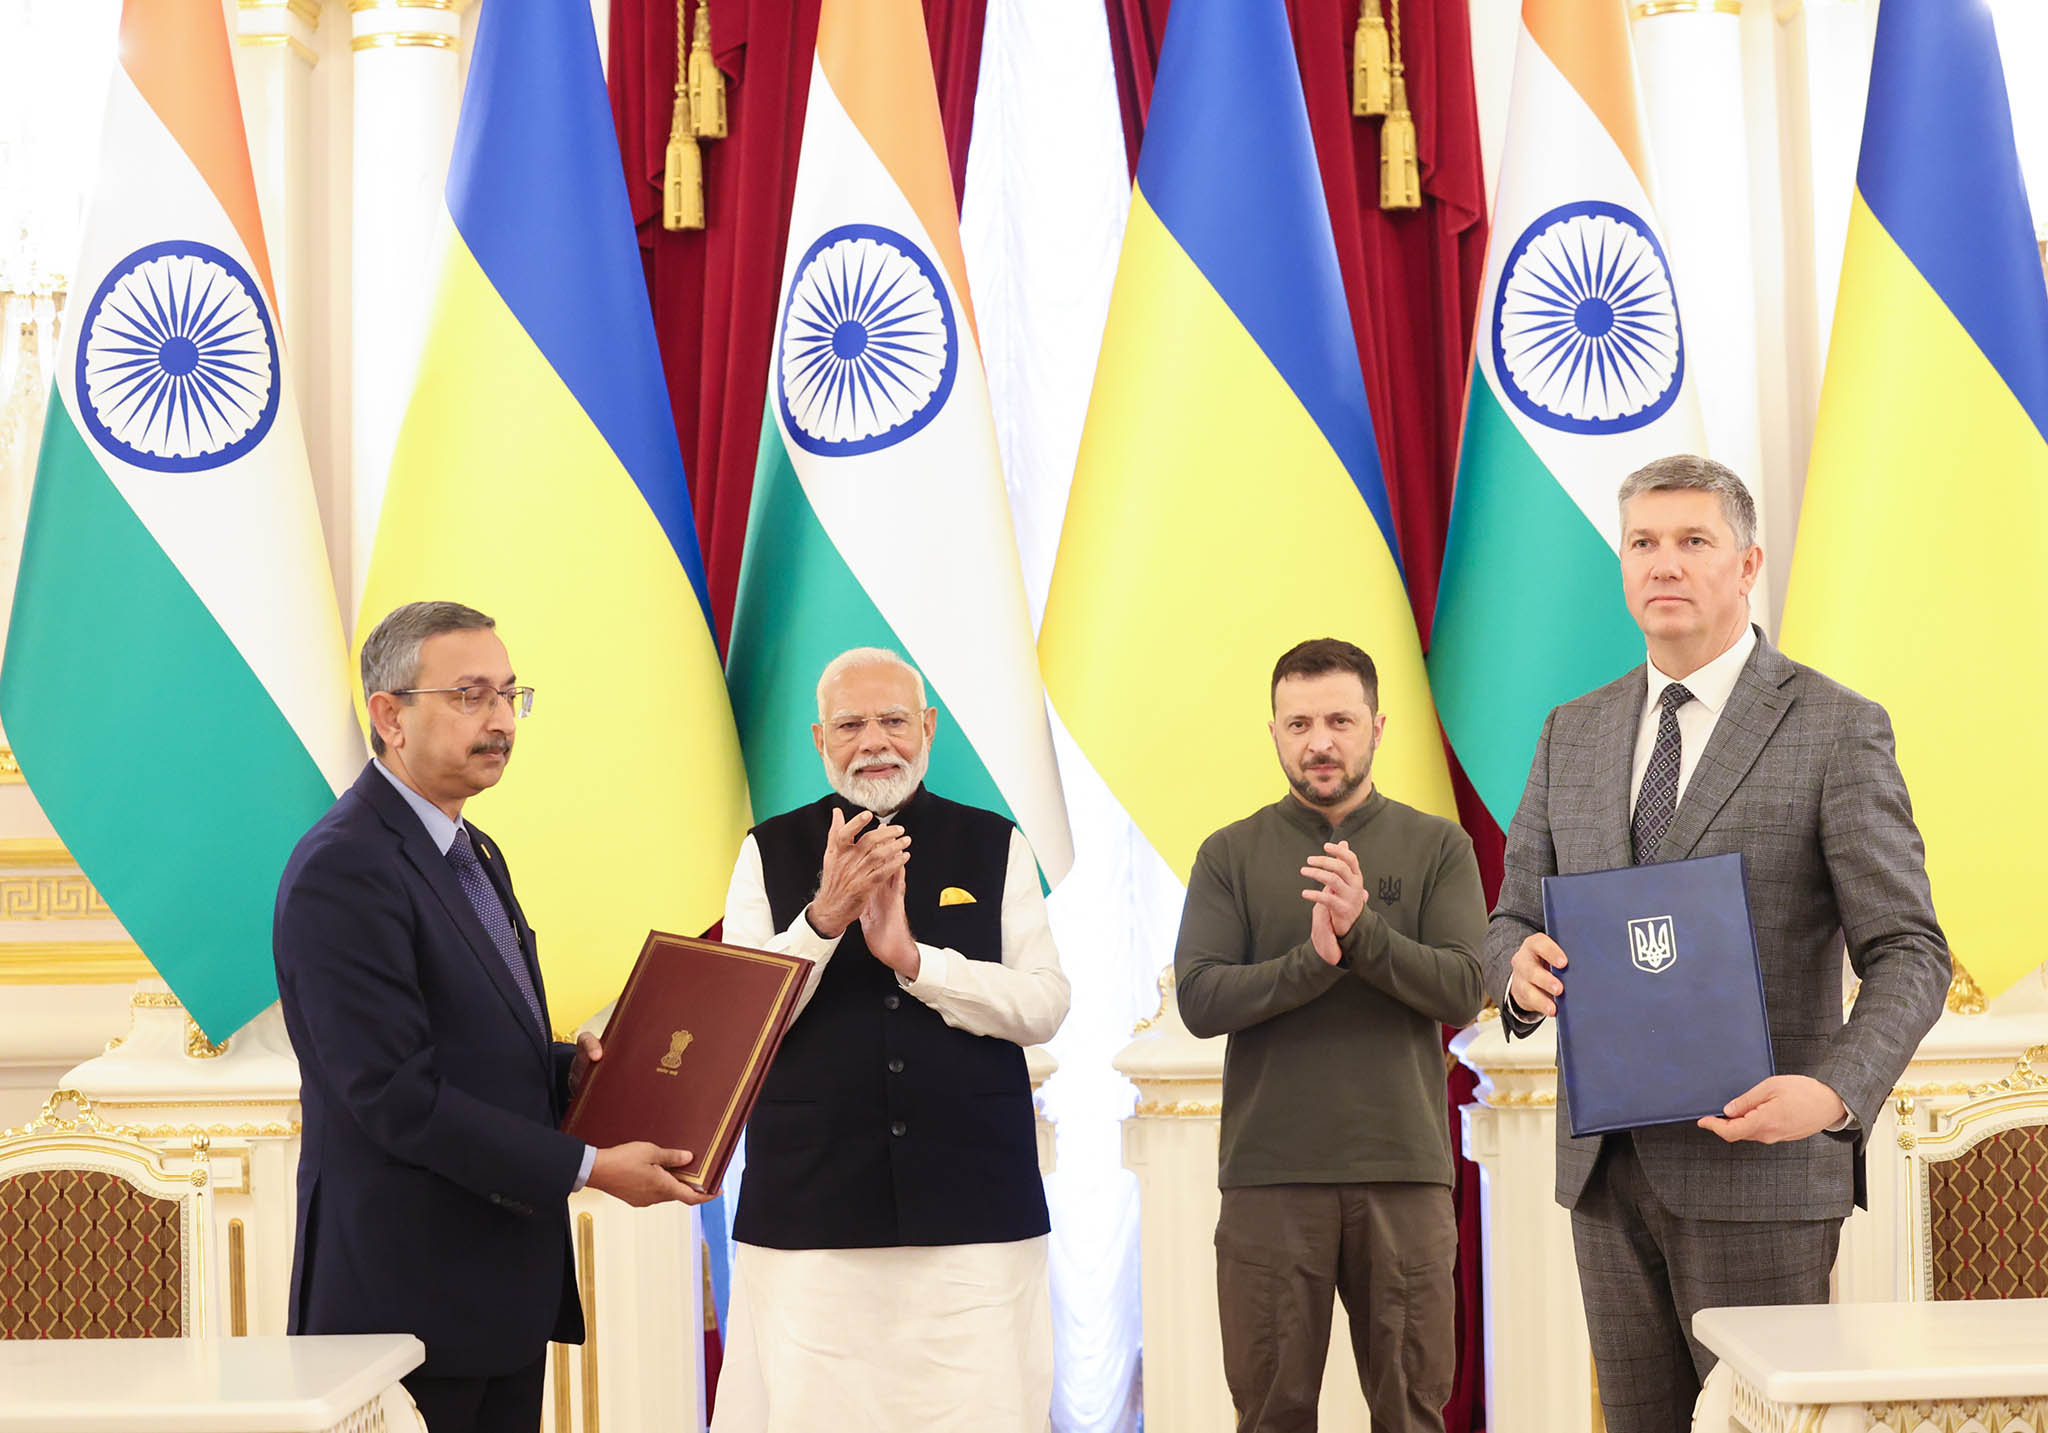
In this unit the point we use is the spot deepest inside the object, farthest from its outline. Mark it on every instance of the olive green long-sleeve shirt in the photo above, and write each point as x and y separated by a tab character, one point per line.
1333	1074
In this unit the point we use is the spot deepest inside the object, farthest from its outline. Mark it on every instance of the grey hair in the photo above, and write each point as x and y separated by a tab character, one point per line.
1688	472
391	653
857	657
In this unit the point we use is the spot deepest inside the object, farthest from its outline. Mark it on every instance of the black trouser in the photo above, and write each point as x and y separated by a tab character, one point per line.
509	1403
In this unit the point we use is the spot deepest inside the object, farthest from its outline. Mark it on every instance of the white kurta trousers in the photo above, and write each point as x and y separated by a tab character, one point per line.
956	1339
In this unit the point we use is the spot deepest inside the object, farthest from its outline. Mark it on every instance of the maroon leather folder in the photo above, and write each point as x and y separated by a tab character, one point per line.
686	1049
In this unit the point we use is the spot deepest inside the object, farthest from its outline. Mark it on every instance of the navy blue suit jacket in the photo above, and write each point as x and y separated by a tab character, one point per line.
433	1181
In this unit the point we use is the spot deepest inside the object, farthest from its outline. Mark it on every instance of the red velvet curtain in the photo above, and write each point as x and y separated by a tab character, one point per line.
714	290
1412	280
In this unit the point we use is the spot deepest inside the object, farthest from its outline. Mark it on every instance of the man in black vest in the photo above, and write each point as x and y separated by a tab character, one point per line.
891	1270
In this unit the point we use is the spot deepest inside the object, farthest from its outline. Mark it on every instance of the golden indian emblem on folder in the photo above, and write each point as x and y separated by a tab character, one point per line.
673	1060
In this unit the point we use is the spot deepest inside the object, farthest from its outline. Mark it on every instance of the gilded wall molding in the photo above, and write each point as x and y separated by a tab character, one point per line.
307	12
1178	1109
23	852
77	962
10	769
51	898
281	42
403	39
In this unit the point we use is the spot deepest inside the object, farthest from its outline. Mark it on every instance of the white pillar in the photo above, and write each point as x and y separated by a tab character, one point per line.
1689	55
408	91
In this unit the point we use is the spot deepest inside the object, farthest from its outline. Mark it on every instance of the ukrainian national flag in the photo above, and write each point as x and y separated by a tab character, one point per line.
1228	501
1921	575
537	477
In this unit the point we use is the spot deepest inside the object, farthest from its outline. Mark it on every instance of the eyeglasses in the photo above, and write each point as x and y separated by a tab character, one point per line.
474	699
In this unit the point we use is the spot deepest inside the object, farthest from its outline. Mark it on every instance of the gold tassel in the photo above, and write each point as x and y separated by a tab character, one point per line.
1371	86
1400	174
682	176
707	83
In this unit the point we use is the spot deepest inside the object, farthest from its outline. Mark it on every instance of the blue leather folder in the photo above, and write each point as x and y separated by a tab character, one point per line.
1662	1017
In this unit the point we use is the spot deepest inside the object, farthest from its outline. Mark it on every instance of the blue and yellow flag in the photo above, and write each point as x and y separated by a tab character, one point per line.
1921	575
1228	501
537	477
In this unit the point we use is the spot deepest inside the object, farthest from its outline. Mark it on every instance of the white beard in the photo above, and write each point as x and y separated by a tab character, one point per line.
881	794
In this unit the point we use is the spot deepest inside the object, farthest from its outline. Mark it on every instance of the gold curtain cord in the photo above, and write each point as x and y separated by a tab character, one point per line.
707	84
1379	87
682	176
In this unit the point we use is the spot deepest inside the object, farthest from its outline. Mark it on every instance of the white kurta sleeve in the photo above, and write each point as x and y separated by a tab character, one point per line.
749	921
1024	998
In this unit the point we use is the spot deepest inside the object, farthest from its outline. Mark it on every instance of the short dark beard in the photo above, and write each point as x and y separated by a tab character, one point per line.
1352	781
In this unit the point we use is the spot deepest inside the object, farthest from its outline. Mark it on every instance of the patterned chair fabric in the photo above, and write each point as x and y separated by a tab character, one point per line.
86	1254
1988	1218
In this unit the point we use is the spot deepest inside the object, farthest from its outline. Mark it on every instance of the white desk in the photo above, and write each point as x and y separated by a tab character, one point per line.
1848	1368
203	1385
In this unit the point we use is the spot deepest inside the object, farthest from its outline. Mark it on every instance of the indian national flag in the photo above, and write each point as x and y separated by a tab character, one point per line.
175	682
1579	377
879	515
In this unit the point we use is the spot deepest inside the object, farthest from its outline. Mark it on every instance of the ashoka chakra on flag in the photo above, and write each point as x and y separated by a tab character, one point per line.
869	344
1586	335
177	360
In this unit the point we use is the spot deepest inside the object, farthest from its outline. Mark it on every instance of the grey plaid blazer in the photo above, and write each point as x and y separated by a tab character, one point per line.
1800	777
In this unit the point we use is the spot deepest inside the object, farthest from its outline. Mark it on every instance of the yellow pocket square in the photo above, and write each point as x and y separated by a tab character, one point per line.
954	896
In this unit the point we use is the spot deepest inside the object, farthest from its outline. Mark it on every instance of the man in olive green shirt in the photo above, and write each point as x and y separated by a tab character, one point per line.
1329	935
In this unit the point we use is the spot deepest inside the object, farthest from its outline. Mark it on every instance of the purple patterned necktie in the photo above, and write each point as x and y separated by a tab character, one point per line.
491	911
1657	803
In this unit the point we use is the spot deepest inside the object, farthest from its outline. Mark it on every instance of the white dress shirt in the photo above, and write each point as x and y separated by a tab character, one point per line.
1023	999
1711	686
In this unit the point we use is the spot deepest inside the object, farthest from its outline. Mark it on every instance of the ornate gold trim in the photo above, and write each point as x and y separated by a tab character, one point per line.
1518	1099
197	1046
586	1278
17	852
76	962
1965	995
83	1120
51	898
10	769
1178	1109
401	39
154	1000
1165	993
286	42
307	11
238	1281
1651	9
273	1129
2023	1077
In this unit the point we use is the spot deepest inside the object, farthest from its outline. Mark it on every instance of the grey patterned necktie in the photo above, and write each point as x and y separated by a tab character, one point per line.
1657	803
491	911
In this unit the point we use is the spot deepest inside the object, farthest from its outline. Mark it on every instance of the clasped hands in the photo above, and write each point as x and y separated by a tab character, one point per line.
1338	897
1783	1107
863	878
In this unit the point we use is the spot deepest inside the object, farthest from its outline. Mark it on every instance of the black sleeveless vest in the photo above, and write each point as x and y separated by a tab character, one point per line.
879	1125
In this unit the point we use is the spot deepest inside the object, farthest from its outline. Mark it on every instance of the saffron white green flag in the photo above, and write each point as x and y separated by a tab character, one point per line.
175	684
1579	377
879	514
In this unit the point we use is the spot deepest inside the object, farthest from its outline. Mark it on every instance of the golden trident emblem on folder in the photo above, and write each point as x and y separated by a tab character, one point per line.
677	1043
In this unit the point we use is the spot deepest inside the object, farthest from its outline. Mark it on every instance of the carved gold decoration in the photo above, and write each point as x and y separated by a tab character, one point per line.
403	39
1972	1415
51	898
1165	991
270	1129
154	1000
197	1046
238	1281
1651	9
82	1120
281	42
1908	1138
1965	995
1178	1109
10	769
72	962
17	852
307	11
2023	1077
586	1276
1519	1099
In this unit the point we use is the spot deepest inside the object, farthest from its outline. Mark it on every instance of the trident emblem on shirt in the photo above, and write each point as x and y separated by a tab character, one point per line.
673	1060
1651	944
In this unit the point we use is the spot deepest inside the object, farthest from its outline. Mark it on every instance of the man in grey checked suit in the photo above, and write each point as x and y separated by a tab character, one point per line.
1721	743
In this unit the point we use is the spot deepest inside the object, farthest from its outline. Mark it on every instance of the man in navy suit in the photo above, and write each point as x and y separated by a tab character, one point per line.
433	1181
